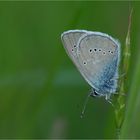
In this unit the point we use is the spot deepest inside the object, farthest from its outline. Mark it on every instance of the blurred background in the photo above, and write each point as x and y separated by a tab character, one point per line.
41	91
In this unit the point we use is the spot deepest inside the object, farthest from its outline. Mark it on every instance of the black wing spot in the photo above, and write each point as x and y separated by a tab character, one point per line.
111	52
95	50
84	62
90	50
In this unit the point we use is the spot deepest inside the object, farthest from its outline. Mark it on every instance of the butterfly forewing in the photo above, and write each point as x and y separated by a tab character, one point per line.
70	40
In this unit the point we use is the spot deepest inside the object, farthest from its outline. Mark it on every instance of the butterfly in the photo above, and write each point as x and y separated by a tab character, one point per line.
96	55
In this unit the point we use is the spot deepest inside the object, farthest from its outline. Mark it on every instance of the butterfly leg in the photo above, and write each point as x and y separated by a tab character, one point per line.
119	77
117	92
107	97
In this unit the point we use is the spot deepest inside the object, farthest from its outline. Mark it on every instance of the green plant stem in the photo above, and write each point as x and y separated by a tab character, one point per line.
121	98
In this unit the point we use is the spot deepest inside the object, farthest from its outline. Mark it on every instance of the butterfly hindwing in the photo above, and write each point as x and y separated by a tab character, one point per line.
98	57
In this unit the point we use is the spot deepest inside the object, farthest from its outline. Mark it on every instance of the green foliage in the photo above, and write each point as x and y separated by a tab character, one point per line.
121	97
41	92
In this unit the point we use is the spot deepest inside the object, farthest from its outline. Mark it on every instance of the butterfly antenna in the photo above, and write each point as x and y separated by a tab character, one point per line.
85	104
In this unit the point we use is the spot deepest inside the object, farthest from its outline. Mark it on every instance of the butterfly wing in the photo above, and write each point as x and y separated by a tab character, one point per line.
98	57
70	39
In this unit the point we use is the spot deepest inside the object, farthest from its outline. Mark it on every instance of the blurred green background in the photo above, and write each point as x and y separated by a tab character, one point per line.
41	91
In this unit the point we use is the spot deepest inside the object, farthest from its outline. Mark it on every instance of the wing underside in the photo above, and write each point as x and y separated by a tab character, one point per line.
95	54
